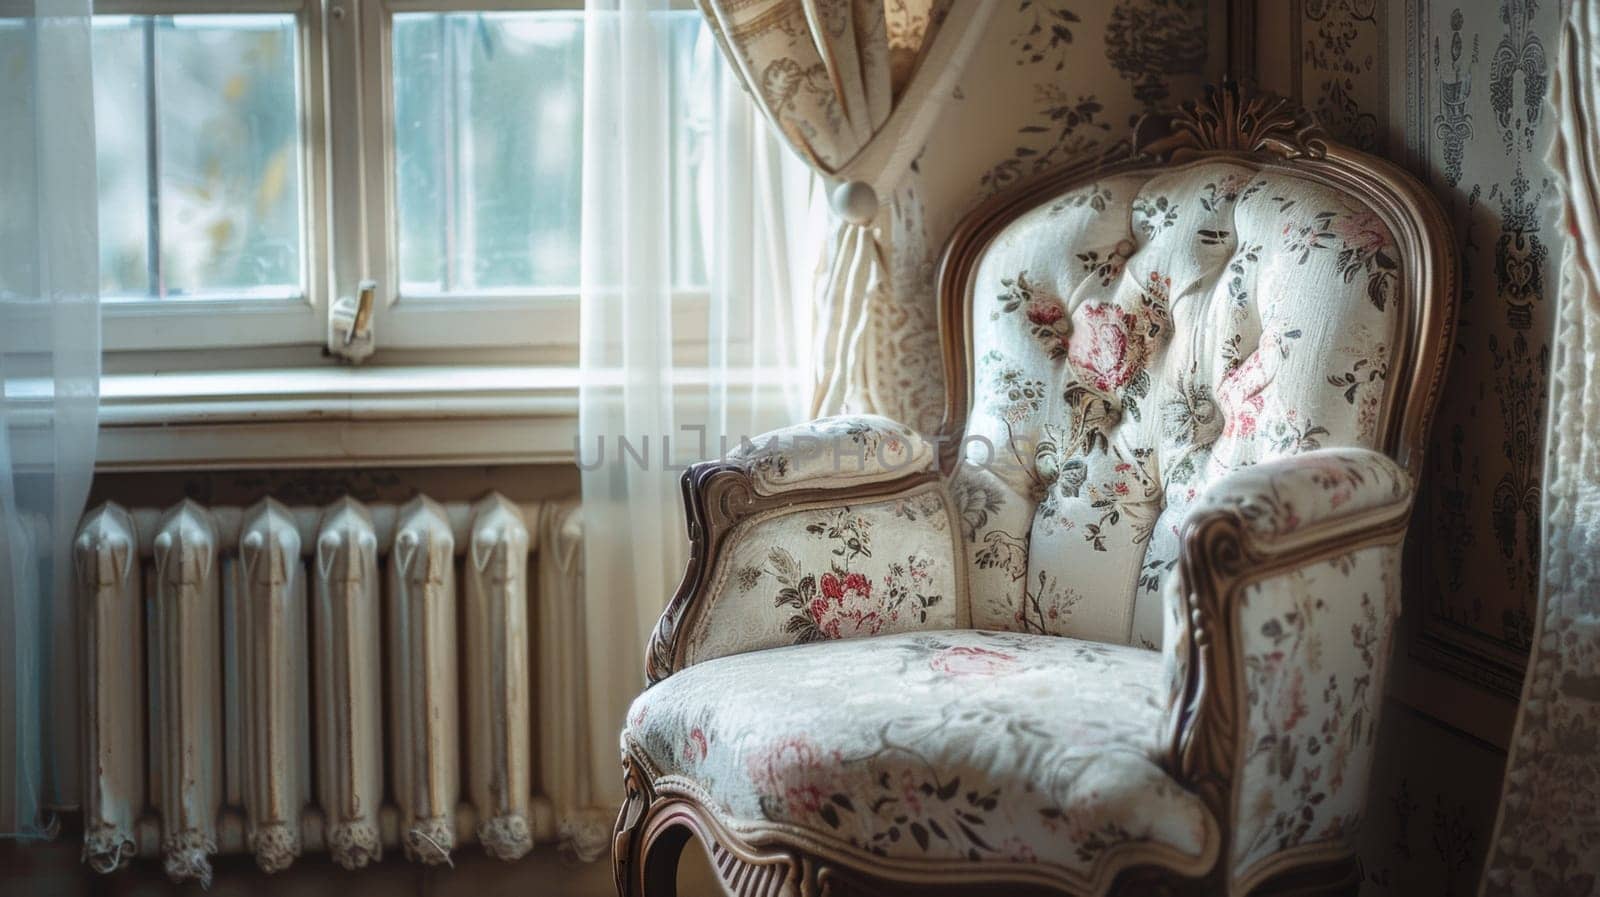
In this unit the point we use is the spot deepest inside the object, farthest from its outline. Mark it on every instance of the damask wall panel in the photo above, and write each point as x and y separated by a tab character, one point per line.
1426	834
1477	123
1340	67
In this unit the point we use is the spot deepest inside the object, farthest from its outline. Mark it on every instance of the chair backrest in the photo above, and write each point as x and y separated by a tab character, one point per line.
1130	331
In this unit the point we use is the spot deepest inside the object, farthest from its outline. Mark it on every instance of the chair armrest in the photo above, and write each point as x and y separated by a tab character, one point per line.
1288	585
835	529
1308	497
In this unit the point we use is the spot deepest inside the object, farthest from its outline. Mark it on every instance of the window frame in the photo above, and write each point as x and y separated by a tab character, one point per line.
349	233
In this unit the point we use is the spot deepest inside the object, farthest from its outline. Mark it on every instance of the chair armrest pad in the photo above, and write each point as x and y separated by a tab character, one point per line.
833	452
1309	497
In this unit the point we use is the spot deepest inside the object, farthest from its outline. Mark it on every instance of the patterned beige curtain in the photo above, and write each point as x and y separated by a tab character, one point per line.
853	86
1547	841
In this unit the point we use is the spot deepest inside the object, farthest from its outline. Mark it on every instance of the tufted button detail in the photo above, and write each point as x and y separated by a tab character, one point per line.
855	202
1053	468
1044	464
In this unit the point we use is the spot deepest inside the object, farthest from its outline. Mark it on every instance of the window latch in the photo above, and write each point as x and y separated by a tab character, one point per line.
350	332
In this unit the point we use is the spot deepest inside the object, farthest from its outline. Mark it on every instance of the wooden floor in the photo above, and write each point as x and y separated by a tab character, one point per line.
53	870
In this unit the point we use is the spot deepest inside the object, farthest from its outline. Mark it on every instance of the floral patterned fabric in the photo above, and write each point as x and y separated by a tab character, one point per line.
834	572
829	83
958	745
1137	338
1315	648
833	451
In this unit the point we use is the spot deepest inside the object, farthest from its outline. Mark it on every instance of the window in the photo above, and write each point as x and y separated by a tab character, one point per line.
258	159
198	123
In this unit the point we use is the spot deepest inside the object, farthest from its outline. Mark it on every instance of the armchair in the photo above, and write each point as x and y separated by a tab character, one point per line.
1122	626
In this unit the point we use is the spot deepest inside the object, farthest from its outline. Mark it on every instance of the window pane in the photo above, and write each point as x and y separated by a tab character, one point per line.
225	215
488	146
122	153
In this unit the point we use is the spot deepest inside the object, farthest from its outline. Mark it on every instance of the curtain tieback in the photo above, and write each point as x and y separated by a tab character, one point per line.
855	202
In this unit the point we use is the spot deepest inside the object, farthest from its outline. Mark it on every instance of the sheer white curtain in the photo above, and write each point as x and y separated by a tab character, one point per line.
50	365
695	329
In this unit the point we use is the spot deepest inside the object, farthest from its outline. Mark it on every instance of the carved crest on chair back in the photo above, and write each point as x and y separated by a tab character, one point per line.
1229	119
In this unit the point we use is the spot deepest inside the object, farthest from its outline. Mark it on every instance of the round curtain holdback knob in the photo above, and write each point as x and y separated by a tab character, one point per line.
855	202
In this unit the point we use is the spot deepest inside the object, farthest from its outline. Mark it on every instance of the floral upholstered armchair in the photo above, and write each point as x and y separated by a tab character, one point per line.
1123	628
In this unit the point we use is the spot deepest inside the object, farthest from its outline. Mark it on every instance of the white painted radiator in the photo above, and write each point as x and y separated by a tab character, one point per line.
347	679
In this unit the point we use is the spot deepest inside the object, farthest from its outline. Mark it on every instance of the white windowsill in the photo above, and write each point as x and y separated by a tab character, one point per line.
338	417
372	416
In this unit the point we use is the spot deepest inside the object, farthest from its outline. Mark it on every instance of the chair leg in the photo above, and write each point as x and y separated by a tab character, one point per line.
627	839
658	868
646	845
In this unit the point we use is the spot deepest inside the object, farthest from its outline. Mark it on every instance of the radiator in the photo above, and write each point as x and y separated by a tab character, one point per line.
350	679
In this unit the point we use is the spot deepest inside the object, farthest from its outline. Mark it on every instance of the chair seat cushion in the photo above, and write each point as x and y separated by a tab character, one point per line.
955	745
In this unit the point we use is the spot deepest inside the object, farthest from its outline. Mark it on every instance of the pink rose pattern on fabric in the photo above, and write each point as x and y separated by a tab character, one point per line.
798	780
845	608
965	660
1108	346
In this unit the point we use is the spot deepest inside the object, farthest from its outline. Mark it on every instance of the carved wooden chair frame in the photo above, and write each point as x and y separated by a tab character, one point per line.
1218	558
